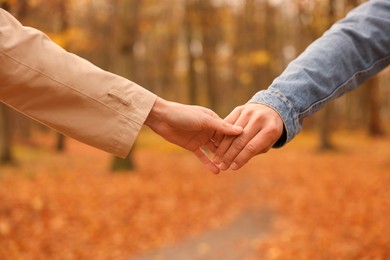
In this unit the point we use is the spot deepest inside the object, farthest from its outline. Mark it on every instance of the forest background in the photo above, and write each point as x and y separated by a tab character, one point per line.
215	53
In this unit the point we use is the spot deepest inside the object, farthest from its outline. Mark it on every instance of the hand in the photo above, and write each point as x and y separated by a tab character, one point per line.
262	129
190	127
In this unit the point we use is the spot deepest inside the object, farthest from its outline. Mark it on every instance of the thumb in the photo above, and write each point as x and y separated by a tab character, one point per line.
223	127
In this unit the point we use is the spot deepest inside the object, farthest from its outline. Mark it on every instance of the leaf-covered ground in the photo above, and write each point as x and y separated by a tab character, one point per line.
333	205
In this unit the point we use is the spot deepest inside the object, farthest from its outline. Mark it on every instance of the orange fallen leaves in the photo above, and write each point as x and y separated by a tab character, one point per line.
326	205
70	207
333	205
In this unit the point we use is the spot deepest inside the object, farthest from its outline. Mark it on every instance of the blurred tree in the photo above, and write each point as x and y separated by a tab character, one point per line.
123	165
326	113
63	29
126	29
5	134
190	17
221	52
210	36
373	100
249	42
125	26
168	51
350	4
272	46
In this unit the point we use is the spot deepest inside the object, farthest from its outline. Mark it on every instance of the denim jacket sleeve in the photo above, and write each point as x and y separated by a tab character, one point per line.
350	52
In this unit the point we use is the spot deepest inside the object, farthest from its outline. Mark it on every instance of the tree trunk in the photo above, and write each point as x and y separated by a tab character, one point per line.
350	4
191	77
64	26
60	144
5	136
326	115
325	129
119	164
209	41
375	126
125	35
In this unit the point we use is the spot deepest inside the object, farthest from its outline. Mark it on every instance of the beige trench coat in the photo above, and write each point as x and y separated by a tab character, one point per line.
68	93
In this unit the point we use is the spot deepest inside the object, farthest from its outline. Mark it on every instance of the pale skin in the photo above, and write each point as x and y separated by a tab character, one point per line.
191	127
262	126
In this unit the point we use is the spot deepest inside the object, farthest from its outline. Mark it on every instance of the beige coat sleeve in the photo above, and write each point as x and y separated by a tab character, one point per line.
66	92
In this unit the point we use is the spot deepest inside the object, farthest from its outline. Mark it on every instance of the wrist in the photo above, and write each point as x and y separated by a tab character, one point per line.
157	113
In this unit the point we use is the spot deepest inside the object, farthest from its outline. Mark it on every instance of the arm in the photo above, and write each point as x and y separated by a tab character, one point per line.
353	50
66	92
350	52
106	111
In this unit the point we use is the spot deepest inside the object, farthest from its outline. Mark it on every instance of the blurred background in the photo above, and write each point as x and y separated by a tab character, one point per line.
60	199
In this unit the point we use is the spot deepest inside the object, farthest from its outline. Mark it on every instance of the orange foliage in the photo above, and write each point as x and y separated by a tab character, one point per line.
325	205
333	205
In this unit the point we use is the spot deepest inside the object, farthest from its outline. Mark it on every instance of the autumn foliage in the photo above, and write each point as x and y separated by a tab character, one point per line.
332	205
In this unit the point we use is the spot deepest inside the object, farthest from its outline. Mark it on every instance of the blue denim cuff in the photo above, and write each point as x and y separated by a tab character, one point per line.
277	101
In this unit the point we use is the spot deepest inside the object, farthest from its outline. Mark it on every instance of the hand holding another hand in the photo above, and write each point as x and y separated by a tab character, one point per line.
249	130
262	126
190	127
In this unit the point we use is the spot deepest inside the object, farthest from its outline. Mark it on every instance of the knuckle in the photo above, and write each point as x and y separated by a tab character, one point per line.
249	112
273	130
260	117
252	149
265	150
237	110
228	158
239	144
274	127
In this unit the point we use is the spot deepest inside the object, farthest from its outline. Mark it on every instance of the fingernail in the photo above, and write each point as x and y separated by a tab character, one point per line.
217	160
222	166
234	166
237	128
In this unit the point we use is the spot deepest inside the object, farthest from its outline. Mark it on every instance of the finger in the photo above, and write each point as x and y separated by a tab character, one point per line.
221	150
269	131
238	144
231	119
220	153
223	127
211	146
215	123
217	138
202	156
261	143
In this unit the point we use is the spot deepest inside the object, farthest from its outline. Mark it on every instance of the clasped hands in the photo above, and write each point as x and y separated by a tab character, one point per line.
249	130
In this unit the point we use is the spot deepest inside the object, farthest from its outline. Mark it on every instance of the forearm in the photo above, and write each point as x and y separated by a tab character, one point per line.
67	92
353	50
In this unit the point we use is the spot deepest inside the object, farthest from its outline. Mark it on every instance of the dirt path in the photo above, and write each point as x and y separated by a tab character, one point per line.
234	241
